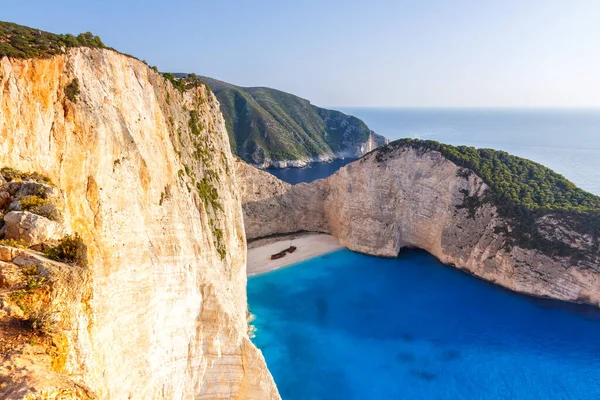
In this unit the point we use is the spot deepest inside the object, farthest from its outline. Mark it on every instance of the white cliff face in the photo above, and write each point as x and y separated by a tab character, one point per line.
157	203
379	205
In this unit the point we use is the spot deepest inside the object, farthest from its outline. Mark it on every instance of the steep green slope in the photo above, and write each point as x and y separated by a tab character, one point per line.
266	125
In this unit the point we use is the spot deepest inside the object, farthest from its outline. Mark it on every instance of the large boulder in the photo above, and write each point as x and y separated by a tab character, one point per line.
33	229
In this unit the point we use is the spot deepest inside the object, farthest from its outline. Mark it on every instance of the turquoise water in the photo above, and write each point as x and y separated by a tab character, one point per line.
350	326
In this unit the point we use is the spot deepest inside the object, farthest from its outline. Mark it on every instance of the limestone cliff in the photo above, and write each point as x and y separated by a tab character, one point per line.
402	197
256	184
147	178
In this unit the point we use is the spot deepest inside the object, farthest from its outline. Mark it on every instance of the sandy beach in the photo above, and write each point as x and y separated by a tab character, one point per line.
308	245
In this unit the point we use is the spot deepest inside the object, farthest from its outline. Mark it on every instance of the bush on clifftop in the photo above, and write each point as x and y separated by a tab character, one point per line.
514	179
23	42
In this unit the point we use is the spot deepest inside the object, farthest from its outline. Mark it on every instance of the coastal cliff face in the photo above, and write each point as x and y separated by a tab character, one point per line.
410	198
148	182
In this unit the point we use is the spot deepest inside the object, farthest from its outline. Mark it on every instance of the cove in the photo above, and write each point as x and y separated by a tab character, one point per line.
351	326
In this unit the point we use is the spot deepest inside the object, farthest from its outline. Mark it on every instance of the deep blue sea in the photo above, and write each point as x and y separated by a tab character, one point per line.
566	140
348	326
308	174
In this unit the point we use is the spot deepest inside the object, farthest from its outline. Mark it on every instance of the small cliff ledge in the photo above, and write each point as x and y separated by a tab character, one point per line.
409	195
147	179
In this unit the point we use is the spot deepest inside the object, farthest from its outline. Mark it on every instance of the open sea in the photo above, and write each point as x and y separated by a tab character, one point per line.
347	326
566	140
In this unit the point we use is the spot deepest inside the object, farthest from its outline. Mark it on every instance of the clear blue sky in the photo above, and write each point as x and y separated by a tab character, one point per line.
508	53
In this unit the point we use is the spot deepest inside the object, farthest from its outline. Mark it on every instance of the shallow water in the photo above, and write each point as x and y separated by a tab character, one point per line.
351	326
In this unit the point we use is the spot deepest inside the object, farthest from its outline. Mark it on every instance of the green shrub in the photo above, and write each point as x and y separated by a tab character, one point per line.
36	176
208	194
183	82
11	174
30	271
40	206
34	282
194	123
218	242
71	249
178	84
30	202
72	90
21	244
40	320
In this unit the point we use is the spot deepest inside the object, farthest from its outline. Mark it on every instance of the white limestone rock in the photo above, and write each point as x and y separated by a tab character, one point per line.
162	312
32	228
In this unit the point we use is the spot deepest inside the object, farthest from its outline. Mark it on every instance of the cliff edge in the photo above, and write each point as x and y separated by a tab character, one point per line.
147	178
408	194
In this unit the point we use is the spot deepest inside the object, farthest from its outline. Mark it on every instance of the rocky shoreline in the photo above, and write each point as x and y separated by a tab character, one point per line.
363	149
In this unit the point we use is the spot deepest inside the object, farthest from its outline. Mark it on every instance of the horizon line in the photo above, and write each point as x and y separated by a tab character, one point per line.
590	108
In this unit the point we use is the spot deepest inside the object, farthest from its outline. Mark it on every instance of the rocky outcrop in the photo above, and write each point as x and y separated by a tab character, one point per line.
146	175
33	229
38	295
409	198
258	185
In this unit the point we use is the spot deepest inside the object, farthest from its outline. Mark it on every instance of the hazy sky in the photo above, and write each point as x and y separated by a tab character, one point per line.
509	53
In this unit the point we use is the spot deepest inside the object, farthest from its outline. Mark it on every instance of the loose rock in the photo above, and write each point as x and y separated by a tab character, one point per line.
26	260
33	229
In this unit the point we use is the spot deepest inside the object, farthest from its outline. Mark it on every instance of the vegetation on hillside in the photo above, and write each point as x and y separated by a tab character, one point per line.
523	191
23	42
514	179
72	90
71	249
265	123
183	82
11	174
